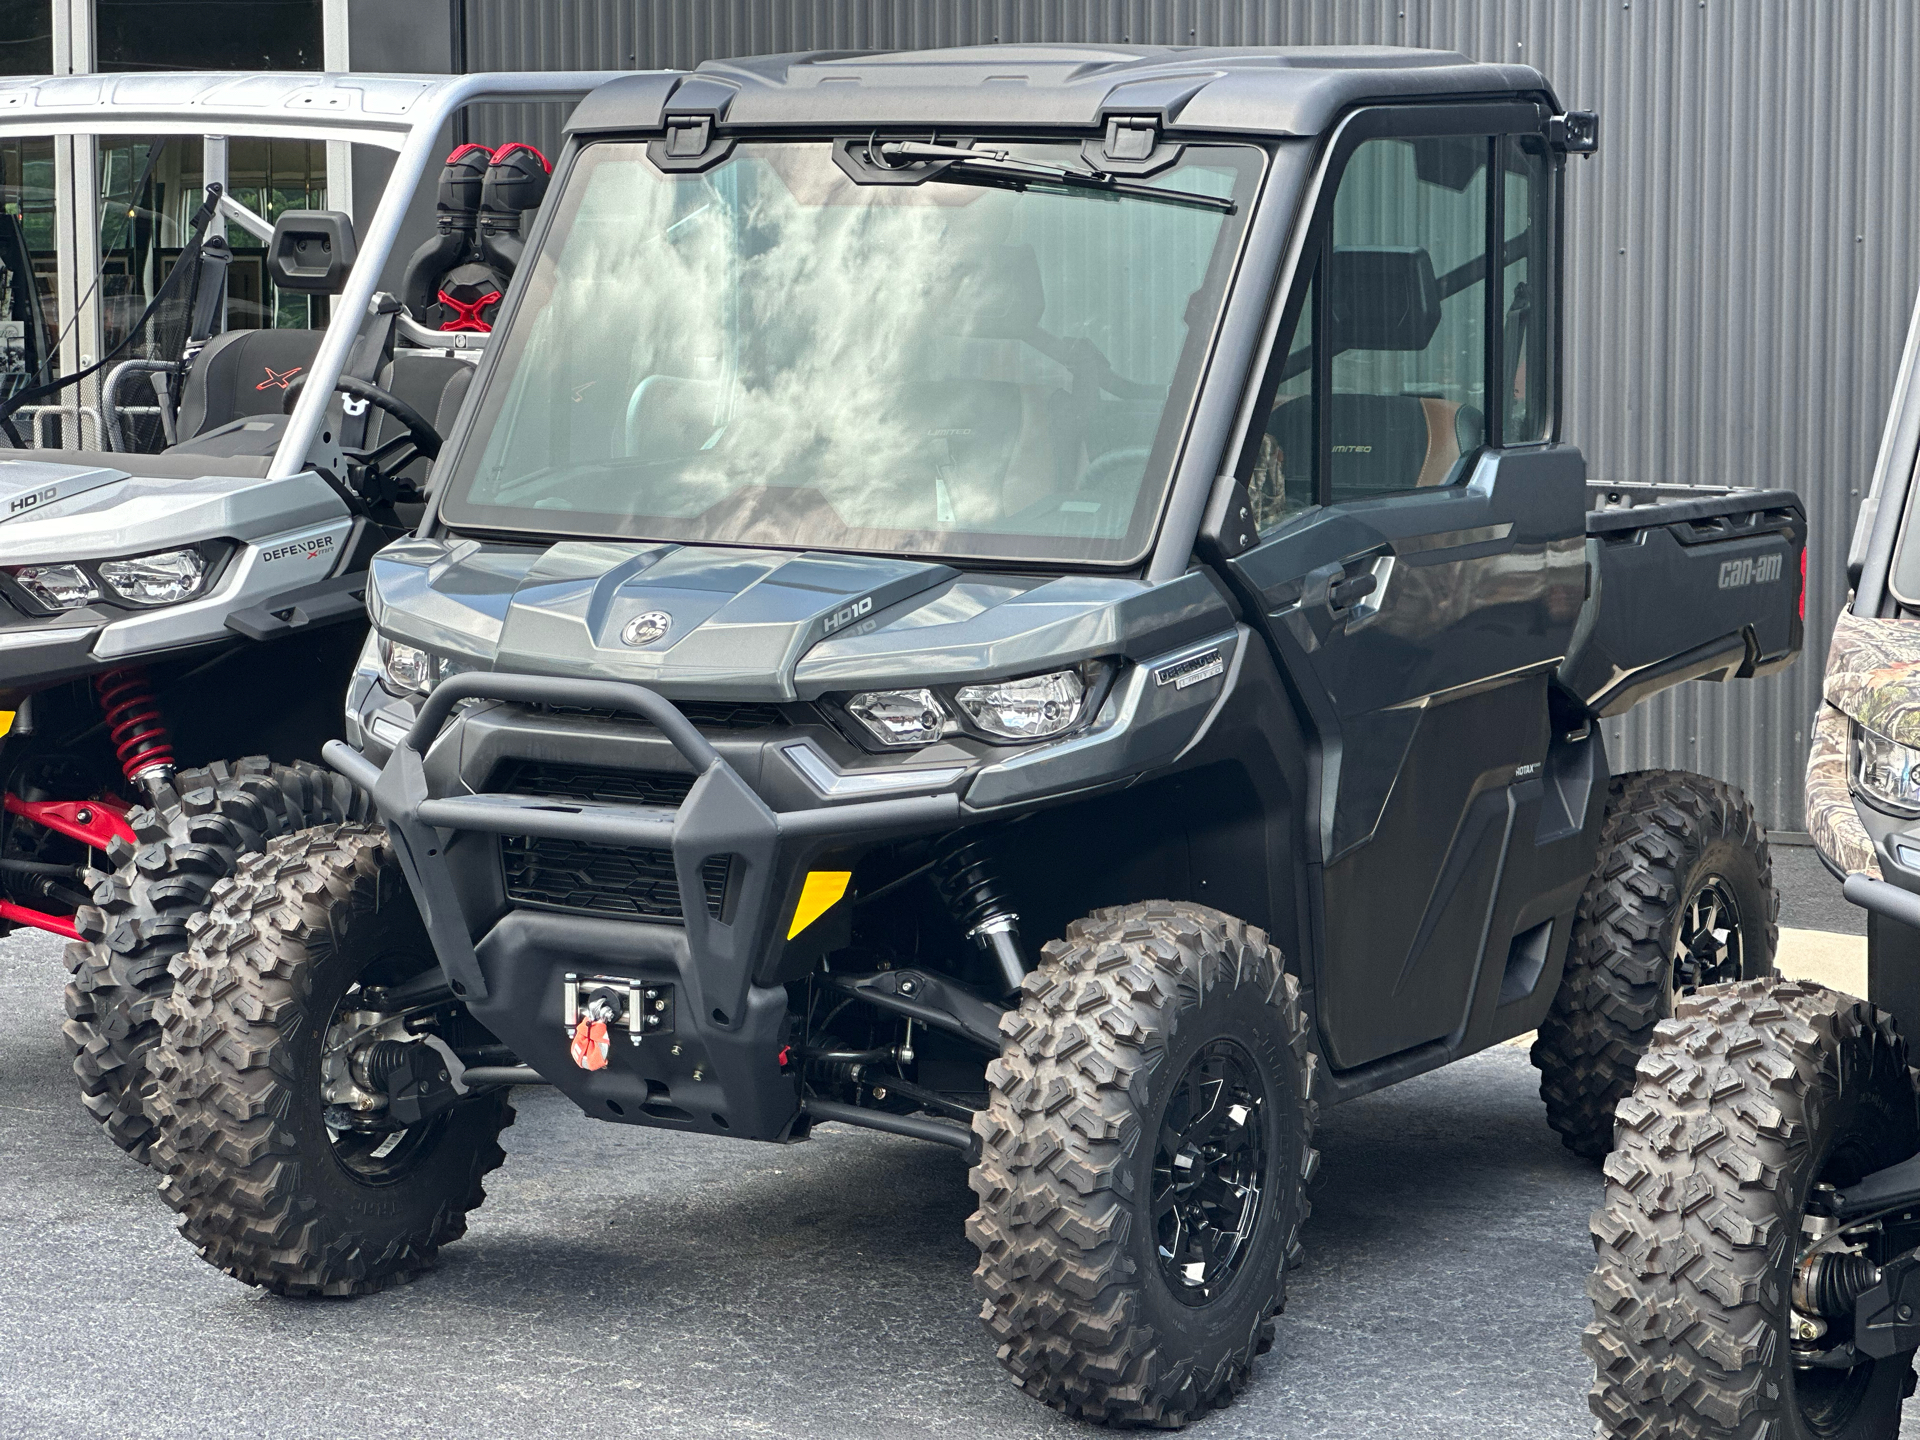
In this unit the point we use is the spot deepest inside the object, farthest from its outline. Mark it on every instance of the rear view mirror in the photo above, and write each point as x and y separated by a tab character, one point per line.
311	251
1383	298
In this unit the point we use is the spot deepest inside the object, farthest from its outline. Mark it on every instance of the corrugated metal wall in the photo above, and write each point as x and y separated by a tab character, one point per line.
1743	252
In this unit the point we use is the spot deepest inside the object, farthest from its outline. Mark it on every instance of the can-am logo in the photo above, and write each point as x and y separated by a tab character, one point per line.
645	628
847	614
27	502
1754	570
309	549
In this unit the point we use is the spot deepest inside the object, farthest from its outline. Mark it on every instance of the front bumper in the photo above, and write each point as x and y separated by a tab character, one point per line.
718	1069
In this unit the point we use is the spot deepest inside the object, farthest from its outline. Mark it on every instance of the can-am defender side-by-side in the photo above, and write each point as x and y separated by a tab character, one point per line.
1024	597
163	613
1758	1267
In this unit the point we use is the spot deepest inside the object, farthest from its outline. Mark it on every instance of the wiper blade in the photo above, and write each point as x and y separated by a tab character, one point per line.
963	163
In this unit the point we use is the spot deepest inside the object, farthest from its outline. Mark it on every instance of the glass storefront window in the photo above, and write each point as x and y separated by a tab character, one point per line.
149	189
28	283
26	37
207	34
271	177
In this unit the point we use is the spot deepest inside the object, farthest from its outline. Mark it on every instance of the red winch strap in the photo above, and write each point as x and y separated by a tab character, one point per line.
590	1044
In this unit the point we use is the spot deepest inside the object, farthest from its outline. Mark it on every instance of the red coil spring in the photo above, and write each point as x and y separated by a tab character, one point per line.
134	725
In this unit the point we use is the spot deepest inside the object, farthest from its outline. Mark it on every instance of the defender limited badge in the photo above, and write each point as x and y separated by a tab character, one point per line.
647	627
1192	670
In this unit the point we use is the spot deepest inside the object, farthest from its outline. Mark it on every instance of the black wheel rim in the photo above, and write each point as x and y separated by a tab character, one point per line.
1210	1172
1706	942
375	1157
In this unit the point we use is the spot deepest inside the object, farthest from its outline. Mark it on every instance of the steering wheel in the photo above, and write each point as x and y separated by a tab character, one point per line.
384	462
1100	472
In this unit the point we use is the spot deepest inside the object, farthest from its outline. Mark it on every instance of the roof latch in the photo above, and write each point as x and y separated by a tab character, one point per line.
1130	137
687	135
691	144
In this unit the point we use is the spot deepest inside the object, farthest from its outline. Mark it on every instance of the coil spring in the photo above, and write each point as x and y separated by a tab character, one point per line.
969	884
134	723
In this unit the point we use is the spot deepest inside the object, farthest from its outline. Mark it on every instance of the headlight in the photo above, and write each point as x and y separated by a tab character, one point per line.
1029	709
406	671
163	579
901	717
409	670
58	587
1886	771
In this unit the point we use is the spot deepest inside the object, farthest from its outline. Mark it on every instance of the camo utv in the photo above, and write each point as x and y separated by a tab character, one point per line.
1758	1271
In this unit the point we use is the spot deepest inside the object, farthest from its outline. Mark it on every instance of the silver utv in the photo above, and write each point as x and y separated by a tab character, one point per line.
185	524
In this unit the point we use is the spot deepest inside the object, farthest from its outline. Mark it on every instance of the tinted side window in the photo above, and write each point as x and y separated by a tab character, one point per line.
1406	315
1283	468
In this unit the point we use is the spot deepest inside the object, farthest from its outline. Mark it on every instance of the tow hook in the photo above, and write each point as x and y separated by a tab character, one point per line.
590	1030
593	1006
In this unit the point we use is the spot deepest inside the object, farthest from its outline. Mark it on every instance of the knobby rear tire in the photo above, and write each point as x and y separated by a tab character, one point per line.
1666	833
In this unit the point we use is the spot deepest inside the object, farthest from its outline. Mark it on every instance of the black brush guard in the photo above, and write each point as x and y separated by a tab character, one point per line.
725	1017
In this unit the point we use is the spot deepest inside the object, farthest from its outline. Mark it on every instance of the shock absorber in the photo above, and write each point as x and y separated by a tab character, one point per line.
135	726
969	882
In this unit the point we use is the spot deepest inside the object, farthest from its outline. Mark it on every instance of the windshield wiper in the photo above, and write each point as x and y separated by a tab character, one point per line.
962	165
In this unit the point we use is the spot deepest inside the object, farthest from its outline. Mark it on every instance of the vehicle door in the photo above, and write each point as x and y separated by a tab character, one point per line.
1420	561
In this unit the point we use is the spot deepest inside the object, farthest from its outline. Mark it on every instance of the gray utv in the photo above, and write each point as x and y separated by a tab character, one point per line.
193	591
1028	598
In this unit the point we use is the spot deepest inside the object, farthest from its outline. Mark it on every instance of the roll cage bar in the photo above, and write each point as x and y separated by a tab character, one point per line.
406	114
1877	531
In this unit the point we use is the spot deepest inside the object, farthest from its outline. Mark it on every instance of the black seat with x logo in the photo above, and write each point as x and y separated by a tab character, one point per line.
243	373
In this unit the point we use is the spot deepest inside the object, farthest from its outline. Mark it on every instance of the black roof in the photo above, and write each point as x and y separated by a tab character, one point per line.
1281	90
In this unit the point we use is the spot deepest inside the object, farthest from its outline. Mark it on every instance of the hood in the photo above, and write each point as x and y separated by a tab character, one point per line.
30	488
704	621
1873	675
52	511
723	622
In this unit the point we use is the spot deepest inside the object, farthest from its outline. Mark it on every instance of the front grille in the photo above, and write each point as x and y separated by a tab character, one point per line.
594	786
707	714
603	879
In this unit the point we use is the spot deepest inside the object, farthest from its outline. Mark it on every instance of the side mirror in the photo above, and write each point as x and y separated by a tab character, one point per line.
311	251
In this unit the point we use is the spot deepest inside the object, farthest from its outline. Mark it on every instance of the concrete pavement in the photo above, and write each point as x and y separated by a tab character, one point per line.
626	1282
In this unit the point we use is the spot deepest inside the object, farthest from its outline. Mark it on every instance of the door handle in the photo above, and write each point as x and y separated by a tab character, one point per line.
1354	587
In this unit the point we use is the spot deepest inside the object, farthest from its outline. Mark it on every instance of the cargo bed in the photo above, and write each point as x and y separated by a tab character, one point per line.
1686	582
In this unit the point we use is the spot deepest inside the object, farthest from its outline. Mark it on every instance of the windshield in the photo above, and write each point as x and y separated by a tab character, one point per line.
768	353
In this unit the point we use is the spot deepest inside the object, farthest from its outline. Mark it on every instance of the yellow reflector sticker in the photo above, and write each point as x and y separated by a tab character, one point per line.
820	894
6	722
